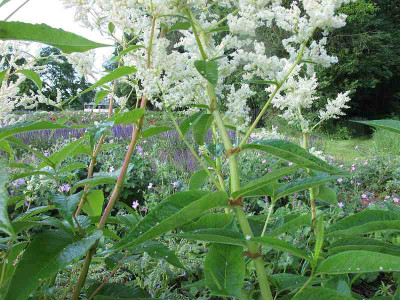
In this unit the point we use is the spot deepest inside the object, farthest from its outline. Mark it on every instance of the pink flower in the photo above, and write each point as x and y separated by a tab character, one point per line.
175	184
395	199
144	209
290	164
264	161
387	197
364	196
135	204
111	169
340	180
150	185
340	204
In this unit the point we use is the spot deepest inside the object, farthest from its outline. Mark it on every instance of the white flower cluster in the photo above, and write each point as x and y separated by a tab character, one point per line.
267	134
83	63
171	80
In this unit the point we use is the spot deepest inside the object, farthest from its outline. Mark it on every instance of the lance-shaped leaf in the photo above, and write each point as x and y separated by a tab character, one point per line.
201	128
31	126
49	252
225	270
21	144
359	261
367	244
67	42
215	235
59	156
259	182
67	205
154	131
289	282
207	69
5	224
302	184
217	220
128	117
365	222
32	75
280	245
293	153
72	167
31	173
321	293
198	179
391	125
180	26
188	123
93	205
98	180
327	195
100	95
4	2
159	251
172	213
127	50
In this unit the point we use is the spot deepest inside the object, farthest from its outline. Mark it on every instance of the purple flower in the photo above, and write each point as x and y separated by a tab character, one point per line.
18	182
340	180
111	169
64	188
364	196
139	150
135	204
144	209
340	204
12	192
395	199
175	184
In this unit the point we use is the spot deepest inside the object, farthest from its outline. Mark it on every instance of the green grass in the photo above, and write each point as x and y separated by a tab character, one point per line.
349	150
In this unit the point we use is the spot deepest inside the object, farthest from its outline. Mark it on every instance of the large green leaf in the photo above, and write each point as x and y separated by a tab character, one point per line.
59	156
33	76
100	95
359	261
49	252
280	245
207	69
31	126
368	244
327	195
159	251
293	153
171	213
116	291
201	128
320	293
225	270
188	123
302	184
290	282
98	180
31	173
217	220
5	224
198	179
391	125
149	132
128	117
67	42
259	182
93	205
67	205
72	167
215	235
365	222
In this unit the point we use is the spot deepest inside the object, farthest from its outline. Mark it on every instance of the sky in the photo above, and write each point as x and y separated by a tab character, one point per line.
53	13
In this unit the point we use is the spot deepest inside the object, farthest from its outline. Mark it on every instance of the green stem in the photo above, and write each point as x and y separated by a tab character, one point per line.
271	209
223	20
312	190
304	286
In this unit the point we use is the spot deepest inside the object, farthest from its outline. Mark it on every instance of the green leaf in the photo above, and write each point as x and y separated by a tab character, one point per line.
93	205
171	213
39	154
4	2
49	252
67	205
280	245
201	128
72	167
67	42
321	293
259	182
33	76
159	251
5	224
327	195
359	261
100	95
290	282
293	153
262	82
98	180
33	212
111	291
304	220
5	146
2	75
198	179
368	244
129	117
20	166
188	123
319	240
127	50
391	125
214	220
221	28
302	184
225	270
102	297
31	126
154	131
365	222
180	26
111	27
15	251
215	235
208	69
31	173
59	156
